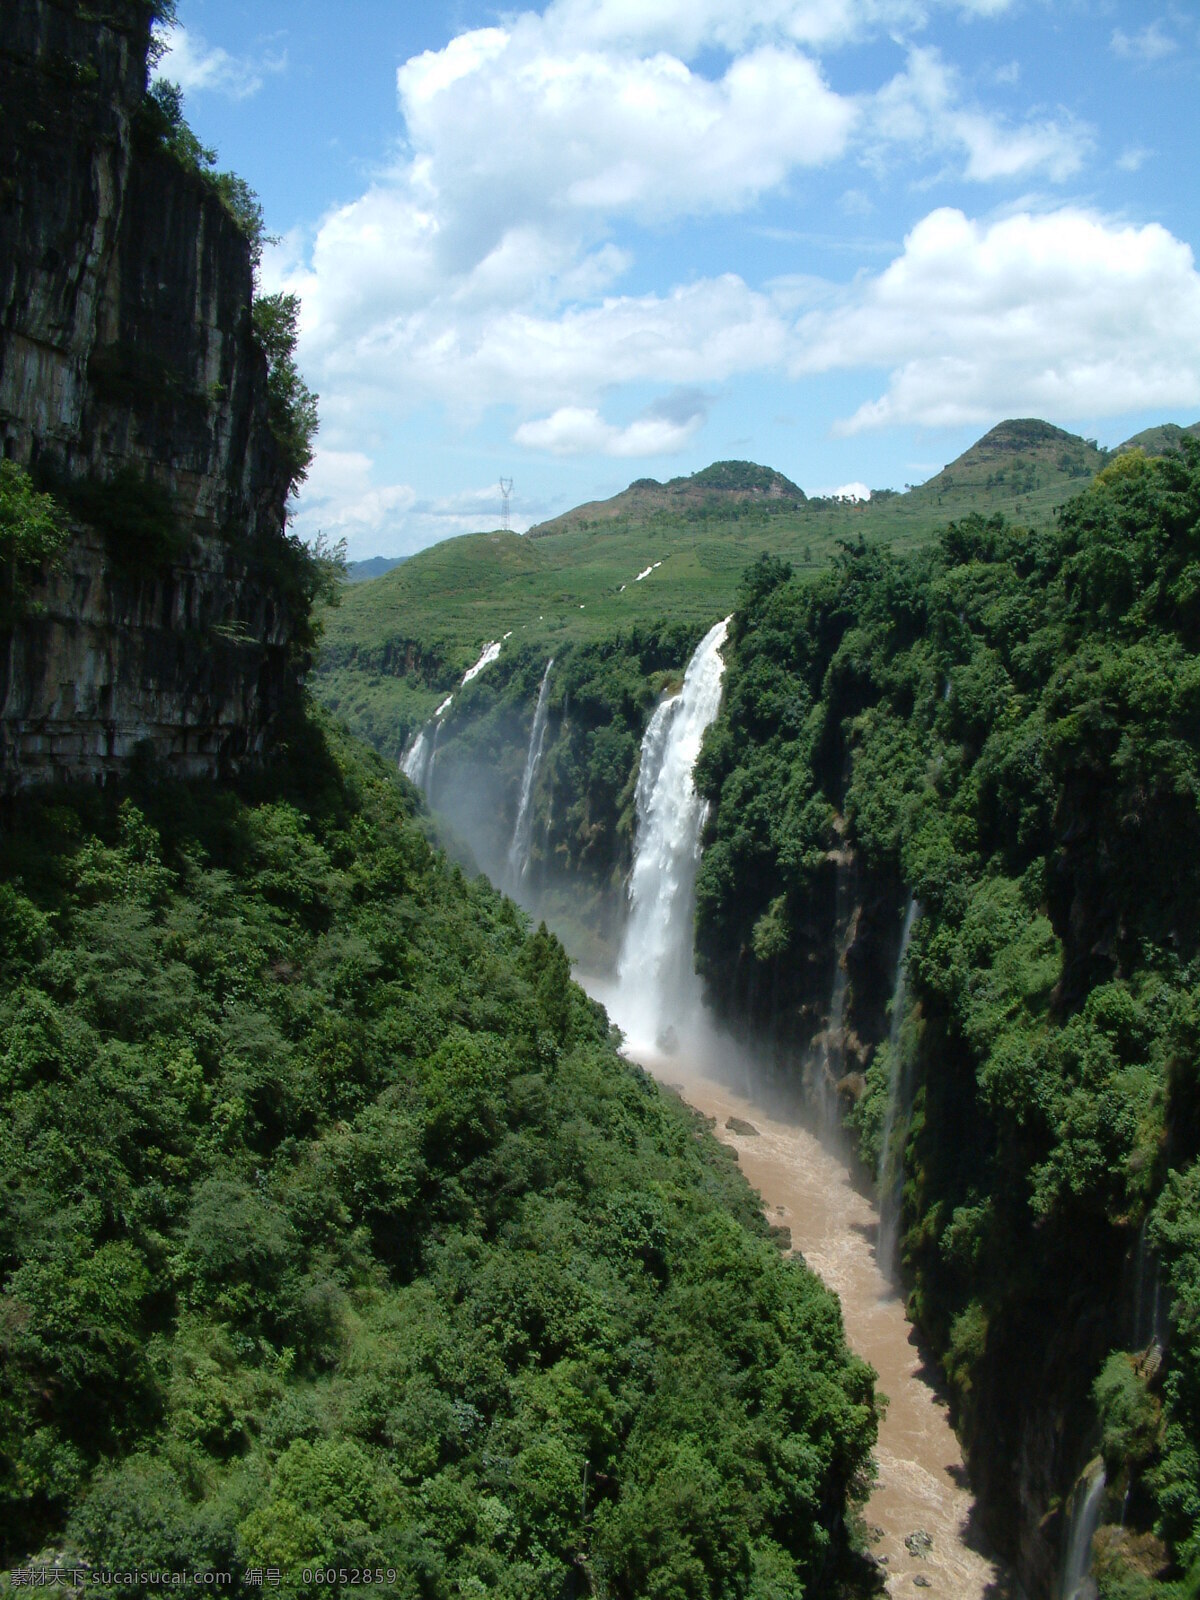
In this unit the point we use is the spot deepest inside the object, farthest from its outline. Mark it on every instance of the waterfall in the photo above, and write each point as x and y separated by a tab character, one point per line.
832	1040
428	784
417	759
1086	1505
518	850
1148	1321
660	993
889	1177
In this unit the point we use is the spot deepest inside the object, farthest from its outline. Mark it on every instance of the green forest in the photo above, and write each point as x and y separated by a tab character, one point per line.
1007	724
336	1233
341	1244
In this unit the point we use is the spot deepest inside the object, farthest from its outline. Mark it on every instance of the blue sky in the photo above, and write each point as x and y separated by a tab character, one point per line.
610	239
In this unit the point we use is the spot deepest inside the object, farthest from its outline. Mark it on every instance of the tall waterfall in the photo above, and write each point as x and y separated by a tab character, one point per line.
518	850
659	990
1086	1505
890	1175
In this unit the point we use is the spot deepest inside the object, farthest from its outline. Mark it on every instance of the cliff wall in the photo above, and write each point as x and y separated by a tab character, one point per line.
128	367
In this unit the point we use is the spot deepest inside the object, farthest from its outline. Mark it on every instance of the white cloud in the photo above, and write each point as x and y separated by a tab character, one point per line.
341	499
922	108
1064	314
476	266
580	430
1133	159
196	67
468	356
851	491
479	269
517	126
1152	43
689	26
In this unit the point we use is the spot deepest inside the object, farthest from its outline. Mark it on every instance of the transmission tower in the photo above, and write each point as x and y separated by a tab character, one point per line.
505	495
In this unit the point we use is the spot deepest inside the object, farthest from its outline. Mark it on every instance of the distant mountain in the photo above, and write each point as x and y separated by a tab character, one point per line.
1157	441
724	483
373	567
1018	458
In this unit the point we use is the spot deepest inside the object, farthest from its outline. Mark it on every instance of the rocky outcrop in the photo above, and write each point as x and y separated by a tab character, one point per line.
127	353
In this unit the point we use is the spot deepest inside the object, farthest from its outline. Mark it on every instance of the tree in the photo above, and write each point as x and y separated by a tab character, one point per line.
292	404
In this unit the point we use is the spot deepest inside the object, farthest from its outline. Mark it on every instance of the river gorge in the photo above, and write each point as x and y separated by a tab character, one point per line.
920	1522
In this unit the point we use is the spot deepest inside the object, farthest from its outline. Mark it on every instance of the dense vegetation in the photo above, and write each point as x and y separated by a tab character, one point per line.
1007	725
333	1230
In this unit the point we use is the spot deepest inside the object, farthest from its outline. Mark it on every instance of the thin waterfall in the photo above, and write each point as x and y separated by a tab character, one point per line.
1148	1321
427	786
522	839
659	991
1087	1502
832	1040
890	1175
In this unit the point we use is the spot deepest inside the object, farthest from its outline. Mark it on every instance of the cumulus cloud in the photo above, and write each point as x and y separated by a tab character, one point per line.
519	124
1062	314
470	356
341	500
198	67
481	265
481	269
923	107
581	430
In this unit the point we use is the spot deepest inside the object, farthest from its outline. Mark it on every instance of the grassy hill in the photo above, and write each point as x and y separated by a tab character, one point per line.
724	484
398	644
1156	441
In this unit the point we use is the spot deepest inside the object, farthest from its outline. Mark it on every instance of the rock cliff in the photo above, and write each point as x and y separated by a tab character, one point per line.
132	384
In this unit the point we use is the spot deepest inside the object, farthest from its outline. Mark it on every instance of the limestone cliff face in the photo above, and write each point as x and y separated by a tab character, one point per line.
126	347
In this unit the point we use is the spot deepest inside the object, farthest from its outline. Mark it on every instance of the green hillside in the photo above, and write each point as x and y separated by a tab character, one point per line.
1156	441
335	1233
1001	733
398	644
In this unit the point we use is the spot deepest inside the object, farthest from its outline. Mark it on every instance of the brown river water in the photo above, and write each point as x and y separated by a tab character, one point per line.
921	1485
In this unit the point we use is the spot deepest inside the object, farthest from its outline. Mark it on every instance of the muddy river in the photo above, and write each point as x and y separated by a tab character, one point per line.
921	1515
